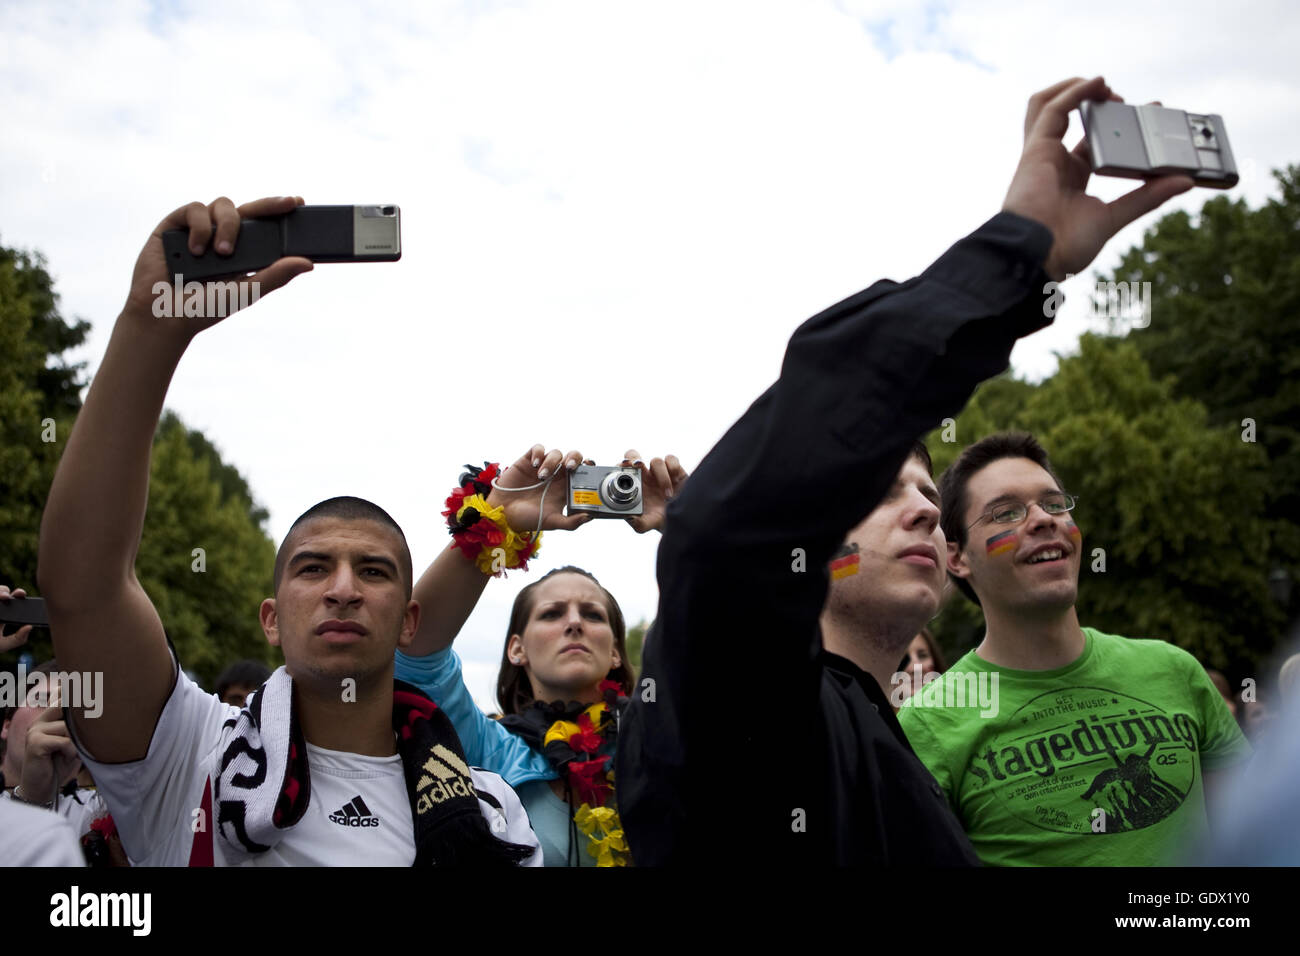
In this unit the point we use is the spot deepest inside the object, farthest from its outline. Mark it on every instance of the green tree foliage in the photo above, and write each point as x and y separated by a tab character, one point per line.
232	483
211	615
1225	323
1149	431
196	500
1177	506
40	393
635	641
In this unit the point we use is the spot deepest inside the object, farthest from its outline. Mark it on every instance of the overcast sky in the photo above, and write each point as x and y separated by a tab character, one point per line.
614	214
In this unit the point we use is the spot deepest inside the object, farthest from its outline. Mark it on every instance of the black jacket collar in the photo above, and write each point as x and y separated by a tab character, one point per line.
846	668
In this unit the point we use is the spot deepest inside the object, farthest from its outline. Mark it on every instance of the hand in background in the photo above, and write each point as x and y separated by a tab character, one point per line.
51	758
15	638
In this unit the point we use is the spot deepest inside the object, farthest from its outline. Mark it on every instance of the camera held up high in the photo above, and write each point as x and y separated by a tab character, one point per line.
605	491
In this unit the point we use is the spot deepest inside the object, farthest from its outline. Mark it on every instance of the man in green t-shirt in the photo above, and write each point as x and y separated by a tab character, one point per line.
1059	745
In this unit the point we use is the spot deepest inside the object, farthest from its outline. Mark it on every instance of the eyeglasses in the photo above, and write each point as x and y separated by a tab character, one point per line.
1014	512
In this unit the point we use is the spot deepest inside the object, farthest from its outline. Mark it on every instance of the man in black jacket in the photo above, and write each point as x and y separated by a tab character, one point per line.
751	749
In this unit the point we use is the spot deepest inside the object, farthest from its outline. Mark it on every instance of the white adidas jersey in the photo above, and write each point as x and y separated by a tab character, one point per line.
358	813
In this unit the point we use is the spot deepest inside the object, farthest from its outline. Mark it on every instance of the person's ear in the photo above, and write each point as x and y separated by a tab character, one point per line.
410	624
270	621
958	566
515	651
615	661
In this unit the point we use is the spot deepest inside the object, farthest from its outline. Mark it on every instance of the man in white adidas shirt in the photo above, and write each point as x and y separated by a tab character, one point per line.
163	750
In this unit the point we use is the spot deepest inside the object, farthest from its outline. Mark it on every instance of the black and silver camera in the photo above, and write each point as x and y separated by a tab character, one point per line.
1138	142
605	492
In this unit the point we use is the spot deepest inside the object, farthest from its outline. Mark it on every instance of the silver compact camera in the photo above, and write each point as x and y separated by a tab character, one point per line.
605	492
1139	142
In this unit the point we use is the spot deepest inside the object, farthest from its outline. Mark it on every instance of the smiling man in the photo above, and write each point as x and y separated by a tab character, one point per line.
331	761
1097	747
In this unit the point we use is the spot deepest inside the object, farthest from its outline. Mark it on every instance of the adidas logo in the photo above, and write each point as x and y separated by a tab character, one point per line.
453	780
354	813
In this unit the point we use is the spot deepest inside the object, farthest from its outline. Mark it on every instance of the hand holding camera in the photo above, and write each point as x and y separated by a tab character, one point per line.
1050	182
548	482
661	480
215	225
18	615
533	491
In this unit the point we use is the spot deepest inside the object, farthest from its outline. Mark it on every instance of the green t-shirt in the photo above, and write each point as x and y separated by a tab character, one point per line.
1098	763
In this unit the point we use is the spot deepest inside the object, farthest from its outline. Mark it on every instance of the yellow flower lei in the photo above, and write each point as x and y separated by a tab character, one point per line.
610	848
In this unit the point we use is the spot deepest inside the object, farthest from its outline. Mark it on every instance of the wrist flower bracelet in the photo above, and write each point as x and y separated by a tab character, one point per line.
481	531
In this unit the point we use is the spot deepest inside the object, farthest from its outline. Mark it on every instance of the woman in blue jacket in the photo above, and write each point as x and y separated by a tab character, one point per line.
564	677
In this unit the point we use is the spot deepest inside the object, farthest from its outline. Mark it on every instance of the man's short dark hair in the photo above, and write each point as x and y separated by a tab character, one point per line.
349	509
244	673
953	484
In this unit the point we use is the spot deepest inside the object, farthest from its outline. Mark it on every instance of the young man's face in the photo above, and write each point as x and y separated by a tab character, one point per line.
341	608
896	573
1031	564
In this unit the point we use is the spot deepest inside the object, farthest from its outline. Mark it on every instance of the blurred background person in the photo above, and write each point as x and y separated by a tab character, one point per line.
240	679
922	663
1288	681
1225	691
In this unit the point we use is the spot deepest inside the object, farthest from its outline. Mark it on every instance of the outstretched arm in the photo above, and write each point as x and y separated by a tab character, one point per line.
100	618
742	568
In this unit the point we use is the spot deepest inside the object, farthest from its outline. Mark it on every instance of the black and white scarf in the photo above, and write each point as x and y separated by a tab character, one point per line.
263	783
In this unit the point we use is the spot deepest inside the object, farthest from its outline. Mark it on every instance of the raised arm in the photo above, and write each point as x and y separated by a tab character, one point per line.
450	588
100	618
742	568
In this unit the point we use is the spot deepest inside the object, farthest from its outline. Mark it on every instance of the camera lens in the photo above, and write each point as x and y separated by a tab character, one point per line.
621	490
389	210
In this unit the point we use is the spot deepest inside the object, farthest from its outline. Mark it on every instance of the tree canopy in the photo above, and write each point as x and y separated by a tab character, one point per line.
207	598
1180	437
1225	325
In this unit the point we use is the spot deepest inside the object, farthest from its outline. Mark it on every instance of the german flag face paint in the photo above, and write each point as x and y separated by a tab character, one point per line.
845	562
1003	543
1073	531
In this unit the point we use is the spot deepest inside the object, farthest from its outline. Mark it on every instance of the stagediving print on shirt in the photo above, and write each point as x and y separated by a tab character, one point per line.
845	562
1068	752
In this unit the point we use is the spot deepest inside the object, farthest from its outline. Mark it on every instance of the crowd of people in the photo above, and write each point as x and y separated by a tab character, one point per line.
790	693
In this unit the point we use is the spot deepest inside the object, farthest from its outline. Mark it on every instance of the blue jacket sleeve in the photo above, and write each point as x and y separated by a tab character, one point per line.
487	744
728	706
